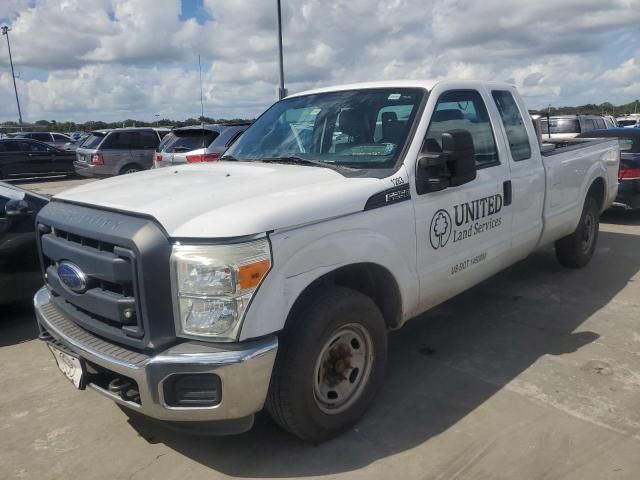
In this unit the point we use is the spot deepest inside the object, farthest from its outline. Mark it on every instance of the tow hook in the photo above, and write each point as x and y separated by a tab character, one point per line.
125	389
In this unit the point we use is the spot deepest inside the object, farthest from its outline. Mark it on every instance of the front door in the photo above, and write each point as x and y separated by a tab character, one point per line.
463	232
38	159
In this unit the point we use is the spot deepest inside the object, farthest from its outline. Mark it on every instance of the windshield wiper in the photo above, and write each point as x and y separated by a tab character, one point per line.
230	158
294	160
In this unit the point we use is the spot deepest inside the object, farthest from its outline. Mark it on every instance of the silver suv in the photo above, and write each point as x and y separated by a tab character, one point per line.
115	152
198	143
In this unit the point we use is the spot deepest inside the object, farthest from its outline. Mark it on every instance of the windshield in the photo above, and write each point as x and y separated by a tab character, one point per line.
561	125
627	123
356	128
93	140
186	140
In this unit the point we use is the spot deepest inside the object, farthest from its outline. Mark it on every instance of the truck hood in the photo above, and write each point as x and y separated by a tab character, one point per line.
230	199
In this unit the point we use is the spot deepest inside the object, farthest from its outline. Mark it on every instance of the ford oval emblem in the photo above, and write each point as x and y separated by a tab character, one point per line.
72	277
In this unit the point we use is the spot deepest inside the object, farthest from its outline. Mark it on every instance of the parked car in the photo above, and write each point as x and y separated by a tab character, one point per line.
196	144
23	158
270	278
629	174
54	139
106	153
570	126
20	270
629	121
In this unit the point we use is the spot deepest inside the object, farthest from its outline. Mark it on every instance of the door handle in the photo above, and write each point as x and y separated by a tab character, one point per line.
507	192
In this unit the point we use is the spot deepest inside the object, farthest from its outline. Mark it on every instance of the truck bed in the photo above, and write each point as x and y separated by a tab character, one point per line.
570	167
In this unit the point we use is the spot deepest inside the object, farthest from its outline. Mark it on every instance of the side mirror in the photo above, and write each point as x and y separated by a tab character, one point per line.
16	209
455	165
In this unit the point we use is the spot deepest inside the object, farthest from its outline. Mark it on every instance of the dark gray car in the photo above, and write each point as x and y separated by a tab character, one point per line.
198	143
115	152
54	139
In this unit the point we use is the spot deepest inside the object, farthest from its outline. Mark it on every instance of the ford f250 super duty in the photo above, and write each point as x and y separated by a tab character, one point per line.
199	295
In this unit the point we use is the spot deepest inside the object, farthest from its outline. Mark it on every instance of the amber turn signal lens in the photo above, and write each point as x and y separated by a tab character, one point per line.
249	276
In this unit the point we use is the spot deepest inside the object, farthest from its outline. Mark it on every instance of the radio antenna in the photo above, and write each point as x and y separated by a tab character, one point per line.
201	97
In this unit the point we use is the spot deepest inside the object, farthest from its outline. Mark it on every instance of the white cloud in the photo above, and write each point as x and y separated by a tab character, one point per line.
113	59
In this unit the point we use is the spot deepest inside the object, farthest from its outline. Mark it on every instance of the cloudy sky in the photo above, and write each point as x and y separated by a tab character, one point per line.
116	59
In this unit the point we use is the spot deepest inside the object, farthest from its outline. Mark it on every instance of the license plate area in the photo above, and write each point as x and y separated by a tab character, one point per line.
70	365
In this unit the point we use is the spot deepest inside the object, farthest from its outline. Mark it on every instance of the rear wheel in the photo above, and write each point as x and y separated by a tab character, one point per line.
576	250
131	168
330	364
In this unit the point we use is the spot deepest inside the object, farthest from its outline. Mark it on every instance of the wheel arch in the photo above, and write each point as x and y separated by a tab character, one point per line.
598	190
366	261
370	279
130	164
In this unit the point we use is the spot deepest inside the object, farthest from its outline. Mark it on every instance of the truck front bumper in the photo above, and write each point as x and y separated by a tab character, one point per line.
244	371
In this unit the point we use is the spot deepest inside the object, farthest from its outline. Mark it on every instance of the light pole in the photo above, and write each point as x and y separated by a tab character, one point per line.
5	31
282	92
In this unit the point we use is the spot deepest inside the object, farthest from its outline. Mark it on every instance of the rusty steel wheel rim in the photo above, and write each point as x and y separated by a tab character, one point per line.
342	369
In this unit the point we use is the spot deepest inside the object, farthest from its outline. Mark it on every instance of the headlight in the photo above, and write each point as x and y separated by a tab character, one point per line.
213	285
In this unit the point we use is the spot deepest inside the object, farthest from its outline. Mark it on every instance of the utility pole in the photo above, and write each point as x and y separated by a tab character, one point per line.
282	92
5	31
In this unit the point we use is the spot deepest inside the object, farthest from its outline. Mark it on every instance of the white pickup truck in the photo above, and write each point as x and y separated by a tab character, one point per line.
199	295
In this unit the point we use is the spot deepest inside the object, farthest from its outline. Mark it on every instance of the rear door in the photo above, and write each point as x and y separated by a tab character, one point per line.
463	232
143	146
527	172
117	150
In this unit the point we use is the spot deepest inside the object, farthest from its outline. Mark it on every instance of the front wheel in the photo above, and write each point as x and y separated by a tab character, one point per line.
330	364
576	250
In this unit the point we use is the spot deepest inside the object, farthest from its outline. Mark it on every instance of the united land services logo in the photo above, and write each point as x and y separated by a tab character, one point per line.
440	230
471	218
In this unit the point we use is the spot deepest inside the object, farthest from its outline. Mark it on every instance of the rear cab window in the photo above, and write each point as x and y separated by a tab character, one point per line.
513	124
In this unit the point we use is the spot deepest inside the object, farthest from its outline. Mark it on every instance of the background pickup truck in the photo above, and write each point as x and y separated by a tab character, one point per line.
272	277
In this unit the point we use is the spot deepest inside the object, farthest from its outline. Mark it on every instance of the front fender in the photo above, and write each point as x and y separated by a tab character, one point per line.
303	255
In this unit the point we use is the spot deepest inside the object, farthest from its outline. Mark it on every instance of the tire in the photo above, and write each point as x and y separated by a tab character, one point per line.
576	250
131	168
330	327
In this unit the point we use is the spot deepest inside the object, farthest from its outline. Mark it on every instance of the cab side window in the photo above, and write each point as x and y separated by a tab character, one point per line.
465	110
513	125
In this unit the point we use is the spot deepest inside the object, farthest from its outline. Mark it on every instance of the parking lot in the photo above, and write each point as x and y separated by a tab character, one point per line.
534	373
